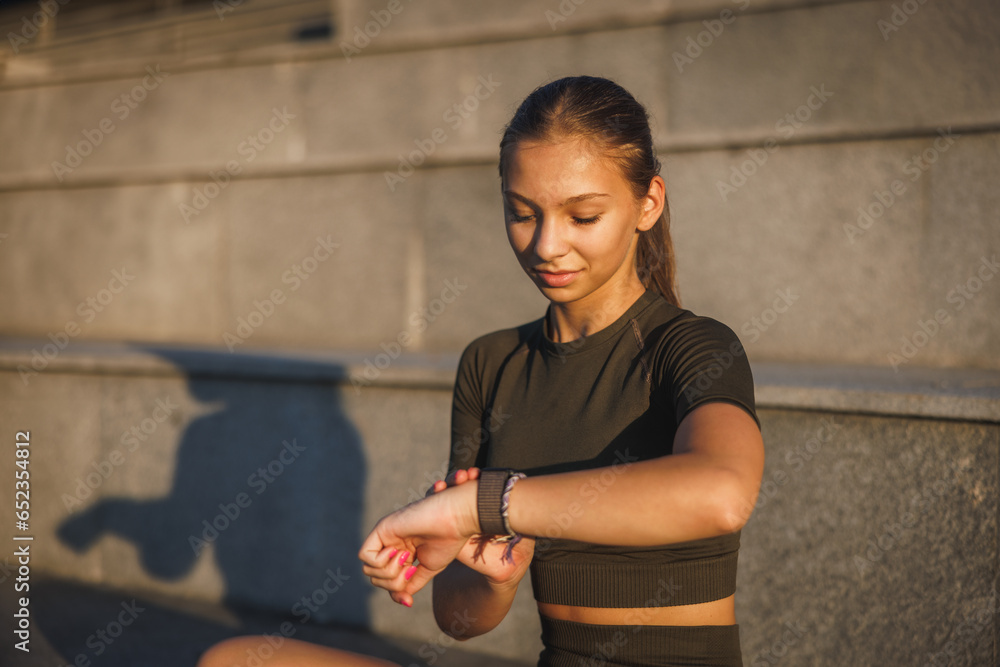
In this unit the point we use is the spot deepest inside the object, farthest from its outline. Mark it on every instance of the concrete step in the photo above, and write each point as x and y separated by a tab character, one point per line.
77	624
139	33
875	534
914	286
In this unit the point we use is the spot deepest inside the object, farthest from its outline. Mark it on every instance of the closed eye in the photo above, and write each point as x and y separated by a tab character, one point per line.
587	221
520	218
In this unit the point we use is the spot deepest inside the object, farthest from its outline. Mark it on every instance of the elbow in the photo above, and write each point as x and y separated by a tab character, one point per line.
735	504
455	628
448	628
458	626
460	637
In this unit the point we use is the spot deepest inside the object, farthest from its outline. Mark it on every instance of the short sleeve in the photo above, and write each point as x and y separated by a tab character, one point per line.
700	360
467	410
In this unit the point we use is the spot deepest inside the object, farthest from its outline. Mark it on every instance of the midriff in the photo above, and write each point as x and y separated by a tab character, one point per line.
716	612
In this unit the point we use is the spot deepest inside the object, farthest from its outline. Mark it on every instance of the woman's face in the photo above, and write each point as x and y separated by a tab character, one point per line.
572	220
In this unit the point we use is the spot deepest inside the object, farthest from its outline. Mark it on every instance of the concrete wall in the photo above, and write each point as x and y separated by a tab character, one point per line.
143	199
831	180
873	541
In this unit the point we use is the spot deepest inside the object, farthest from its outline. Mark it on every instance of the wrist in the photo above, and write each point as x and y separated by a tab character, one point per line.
468	515
493	501
506	587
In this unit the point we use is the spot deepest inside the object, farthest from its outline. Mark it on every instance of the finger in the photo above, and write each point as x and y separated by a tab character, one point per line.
371	548
404	599
474	473
415	577
403	586
395	576
389	564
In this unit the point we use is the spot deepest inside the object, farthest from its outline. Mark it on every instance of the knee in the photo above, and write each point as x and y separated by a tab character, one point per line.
228	653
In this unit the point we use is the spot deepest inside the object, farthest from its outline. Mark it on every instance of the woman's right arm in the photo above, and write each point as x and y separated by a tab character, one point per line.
474	593
467	604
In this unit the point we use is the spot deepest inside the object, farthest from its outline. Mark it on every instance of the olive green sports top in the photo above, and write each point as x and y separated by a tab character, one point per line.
525	402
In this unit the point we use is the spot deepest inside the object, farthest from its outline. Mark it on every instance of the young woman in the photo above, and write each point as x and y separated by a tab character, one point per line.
611	448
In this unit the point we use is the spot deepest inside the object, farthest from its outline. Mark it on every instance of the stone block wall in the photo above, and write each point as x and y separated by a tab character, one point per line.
809	150
291	210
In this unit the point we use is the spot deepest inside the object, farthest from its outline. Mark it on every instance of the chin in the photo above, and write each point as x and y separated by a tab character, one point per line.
558	294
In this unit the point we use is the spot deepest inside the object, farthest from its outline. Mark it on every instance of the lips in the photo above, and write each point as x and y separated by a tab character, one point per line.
557	278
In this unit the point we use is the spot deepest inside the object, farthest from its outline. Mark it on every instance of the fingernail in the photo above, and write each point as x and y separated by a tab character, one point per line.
403	556
393	553
407	603
410	571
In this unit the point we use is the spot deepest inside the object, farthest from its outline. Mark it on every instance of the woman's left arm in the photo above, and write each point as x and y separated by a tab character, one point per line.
707	487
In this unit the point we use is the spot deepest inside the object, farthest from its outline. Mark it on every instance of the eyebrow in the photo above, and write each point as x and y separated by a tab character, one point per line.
572	200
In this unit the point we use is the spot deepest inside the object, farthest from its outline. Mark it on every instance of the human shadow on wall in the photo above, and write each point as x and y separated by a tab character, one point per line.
270	484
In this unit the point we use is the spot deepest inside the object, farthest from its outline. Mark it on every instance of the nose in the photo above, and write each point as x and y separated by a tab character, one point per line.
550	239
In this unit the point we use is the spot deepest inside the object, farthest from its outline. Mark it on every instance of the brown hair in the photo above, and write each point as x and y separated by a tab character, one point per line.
603	112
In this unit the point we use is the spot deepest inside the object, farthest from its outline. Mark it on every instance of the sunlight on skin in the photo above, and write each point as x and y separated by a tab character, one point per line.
573	223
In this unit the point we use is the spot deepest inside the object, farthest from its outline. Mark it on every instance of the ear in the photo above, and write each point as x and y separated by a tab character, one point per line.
652	203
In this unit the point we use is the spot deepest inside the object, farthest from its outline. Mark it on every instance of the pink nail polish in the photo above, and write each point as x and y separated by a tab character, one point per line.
407	604
393	553
410	571
403	556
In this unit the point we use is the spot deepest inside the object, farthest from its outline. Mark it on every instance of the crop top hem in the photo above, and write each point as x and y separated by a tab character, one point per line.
634	585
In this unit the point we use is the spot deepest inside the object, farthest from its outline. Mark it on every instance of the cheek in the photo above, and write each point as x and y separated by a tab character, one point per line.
606	247
519	237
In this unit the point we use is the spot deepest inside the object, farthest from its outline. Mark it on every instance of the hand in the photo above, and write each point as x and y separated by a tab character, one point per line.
484	556
407	548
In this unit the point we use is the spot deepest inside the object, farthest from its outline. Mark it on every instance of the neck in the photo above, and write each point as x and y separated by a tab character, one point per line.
574	320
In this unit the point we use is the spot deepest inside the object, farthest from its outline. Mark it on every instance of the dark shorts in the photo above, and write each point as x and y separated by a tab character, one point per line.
570	644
